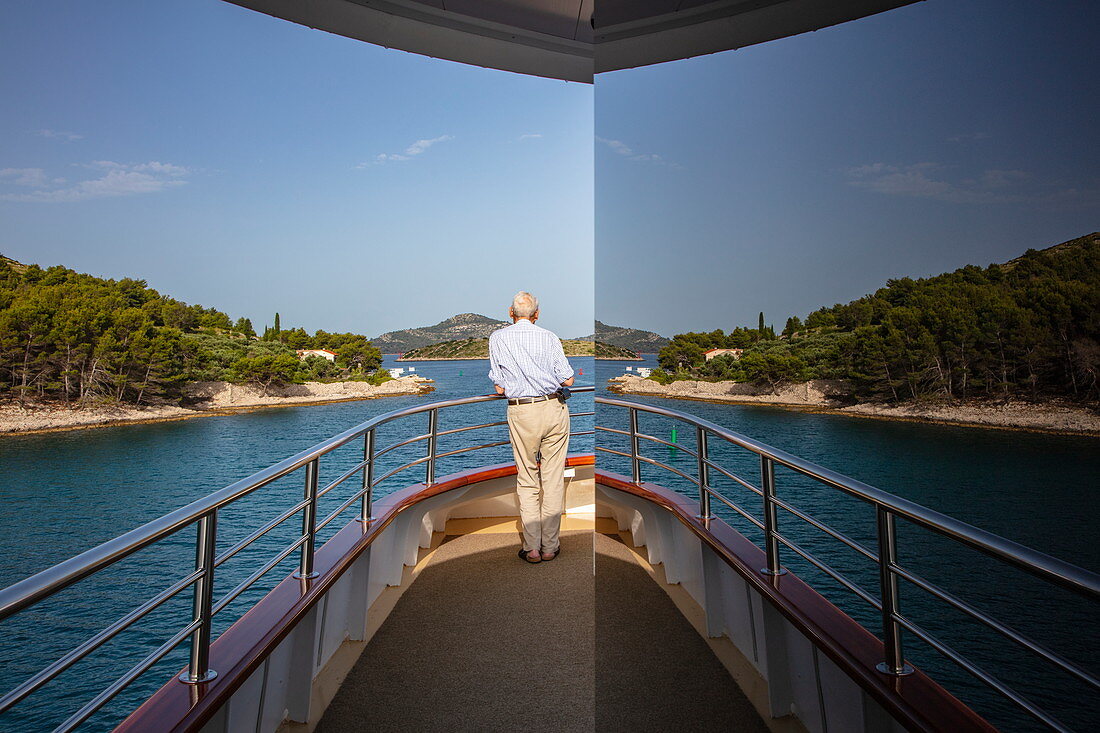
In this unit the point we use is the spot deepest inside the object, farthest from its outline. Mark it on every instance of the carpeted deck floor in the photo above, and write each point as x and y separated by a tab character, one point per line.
482	641
653	670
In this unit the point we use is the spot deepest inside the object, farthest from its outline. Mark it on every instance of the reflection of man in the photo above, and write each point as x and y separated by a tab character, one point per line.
528	366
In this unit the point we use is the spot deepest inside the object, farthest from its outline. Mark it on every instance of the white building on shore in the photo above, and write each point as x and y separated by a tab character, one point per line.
323	353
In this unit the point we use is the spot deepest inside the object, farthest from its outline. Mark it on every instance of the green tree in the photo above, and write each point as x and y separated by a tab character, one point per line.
244	325
267	370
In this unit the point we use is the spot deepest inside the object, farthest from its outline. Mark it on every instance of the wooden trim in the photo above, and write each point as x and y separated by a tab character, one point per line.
916	701
242	648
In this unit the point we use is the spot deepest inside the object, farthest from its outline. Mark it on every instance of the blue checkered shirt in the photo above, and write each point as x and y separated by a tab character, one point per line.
527	360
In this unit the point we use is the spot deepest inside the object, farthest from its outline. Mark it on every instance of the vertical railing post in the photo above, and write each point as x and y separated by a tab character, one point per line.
703	474
365	516
309	523
771	542
635	463
198	670
433	428
888	586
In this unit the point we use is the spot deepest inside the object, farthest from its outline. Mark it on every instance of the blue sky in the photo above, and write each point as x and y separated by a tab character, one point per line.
250	164
807	171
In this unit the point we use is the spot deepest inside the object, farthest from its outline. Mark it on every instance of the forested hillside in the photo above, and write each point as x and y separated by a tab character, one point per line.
478	348
69	336
632	339
455	328
1029	327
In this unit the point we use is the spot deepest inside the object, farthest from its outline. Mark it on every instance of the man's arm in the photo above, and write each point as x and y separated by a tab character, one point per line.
563	372
494	366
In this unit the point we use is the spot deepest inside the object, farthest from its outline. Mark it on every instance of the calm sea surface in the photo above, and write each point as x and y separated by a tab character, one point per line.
1036	489
66	492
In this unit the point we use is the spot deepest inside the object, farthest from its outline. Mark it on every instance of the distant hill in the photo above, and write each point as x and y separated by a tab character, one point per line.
464	326
1025	329
478	348
633	339
617	353
1070	248
17	266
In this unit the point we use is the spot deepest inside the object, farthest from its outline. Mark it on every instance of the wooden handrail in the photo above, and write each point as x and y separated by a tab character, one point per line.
916	701
242	648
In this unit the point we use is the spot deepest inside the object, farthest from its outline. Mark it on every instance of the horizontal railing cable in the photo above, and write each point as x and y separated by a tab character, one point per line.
82	650
1007	631
1003	689
256	575
887	507
835	534
719	496
203	512
828	570
1049	568
344	506
133	673
272	524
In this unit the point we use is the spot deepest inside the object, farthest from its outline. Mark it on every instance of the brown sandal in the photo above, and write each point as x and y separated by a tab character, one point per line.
524	556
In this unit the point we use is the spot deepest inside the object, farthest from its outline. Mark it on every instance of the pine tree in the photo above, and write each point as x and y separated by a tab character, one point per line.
244	325
278	330
760	327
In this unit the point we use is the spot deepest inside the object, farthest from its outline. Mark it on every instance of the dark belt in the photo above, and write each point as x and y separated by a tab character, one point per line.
526	400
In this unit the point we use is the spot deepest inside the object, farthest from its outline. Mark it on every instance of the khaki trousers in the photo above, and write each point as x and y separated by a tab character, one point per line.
537	427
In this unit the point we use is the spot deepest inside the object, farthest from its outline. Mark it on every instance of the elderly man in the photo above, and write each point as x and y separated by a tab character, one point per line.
528	366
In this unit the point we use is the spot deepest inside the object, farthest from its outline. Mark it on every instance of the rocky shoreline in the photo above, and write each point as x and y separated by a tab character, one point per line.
202	398
828	396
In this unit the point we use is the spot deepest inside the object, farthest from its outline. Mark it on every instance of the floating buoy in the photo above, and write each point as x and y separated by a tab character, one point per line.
460	372
673	437
580	371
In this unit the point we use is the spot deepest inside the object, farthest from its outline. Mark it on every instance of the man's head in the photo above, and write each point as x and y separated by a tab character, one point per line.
524	305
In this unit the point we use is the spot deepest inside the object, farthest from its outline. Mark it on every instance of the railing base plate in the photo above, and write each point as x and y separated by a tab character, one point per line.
887	669
187	679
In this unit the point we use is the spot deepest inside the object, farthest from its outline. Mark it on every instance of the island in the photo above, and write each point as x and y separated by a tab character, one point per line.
1013	345
478	348
78	350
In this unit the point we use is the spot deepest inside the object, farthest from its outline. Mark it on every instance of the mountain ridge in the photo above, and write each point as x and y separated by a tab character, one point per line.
632	339
458	327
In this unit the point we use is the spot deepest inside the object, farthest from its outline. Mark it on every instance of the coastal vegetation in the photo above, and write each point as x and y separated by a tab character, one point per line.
634	340
605	350
72	338
1028	328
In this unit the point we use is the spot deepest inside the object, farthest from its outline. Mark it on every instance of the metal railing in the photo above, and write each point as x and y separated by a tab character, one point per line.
204	514
887	508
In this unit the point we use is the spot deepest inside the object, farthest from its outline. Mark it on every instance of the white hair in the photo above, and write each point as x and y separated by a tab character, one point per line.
524	305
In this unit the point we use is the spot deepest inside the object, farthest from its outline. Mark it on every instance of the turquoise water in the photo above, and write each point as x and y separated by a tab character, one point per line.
1036	489
66	492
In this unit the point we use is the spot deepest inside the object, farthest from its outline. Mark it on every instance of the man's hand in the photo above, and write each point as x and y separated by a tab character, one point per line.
568	382
499	389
